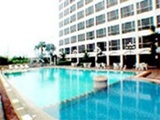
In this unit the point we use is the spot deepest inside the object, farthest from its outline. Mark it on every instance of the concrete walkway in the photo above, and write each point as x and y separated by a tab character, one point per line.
155	74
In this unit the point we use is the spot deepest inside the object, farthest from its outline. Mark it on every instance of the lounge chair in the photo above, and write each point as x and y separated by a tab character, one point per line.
103	65
26	66
16	67
89	65
72	64
115	66
85	65
143	66
11	67
97	65
21	66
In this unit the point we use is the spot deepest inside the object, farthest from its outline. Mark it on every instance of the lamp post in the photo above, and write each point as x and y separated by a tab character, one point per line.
130	46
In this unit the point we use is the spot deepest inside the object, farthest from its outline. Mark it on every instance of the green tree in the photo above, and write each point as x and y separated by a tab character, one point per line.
50	48
41	45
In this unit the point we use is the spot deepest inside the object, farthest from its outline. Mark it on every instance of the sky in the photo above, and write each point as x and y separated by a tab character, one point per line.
24	23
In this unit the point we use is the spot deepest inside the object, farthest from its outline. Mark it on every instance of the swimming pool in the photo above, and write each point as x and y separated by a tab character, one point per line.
126	100
48	86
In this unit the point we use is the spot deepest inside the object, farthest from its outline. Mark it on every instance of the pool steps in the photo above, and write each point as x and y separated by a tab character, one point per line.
56	105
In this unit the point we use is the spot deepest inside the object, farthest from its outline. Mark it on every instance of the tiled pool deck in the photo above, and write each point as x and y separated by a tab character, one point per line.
26	111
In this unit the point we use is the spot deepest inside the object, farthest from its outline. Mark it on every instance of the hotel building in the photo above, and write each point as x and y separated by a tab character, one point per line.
109	24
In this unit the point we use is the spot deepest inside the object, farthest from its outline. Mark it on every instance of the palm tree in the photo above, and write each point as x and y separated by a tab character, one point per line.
41	45
50	48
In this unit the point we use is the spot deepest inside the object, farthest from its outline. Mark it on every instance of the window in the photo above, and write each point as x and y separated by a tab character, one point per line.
72	49
66	21
145	23
127	11
80	4
73	18
73	28
113	15
61	6
66	31
88	1
100	19
73	39
113	30
128	27
89	10
66	41
60	42
126	41
66	3
80	14
144	6
114	45
61	24
60	33
90	35
66	12
60	15
67	50
99	6
90	47
81	37
158	21
157	3
81	26
72	8
81	48
102	46
101	33
71	1
111	3
144	42
89	22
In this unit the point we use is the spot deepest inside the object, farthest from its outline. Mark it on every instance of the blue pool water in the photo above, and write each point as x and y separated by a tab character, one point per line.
48	86
126	100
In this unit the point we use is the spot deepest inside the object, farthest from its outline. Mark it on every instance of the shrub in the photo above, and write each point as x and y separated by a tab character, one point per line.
18	60
64	63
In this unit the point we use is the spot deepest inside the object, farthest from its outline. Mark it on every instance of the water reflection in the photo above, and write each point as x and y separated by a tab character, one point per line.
126	100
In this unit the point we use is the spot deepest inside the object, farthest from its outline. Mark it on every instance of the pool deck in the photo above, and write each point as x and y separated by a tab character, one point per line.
25	110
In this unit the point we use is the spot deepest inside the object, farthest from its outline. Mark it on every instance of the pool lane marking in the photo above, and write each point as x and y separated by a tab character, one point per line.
20	108
15	100
26	117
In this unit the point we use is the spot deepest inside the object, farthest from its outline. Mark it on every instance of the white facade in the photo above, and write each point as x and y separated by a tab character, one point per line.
116	24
